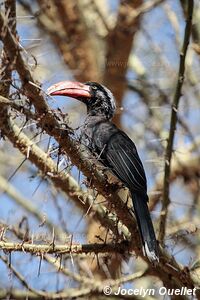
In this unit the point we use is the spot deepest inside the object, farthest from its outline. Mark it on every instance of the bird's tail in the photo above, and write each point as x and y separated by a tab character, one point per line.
145	225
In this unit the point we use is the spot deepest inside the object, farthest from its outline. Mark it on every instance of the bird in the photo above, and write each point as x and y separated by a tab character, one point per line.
115	149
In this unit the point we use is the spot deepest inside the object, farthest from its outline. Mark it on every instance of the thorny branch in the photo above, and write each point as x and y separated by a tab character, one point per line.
63	249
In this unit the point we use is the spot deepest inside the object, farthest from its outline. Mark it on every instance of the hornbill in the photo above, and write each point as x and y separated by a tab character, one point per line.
115	149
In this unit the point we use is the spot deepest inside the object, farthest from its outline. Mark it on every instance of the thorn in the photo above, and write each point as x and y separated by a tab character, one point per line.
40	263
53	239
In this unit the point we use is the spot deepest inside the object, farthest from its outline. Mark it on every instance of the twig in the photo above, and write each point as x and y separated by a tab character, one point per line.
90	281
62	269
144	8
173	122
101	15
20	108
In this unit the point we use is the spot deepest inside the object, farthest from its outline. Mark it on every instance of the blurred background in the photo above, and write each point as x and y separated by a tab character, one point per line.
133	48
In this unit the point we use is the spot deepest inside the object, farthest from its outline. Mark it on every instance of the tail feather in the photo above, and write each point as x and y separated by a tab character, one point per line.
145	227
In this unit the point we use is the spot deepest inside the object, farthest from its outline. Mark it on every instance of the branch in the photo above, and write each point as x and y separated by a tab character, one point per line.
63	249
6	67
19	107
195	25
96	283
35	295
173	122
119	45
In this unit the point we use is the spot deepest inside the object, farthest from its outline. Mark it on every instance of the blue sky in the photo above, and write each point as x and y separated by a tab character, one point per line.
161	34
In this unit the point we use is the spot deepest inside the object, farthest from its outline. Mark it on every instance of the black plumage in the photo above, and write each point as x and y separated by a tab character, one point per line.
118	152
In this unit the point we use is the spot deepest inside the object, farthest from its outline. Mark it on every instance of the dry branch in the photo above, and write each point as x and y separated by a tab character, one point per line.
173	122
63	249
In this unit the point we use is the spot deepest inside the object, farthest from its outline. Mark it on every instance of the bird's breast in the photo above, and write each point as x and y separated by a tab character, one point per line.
96	133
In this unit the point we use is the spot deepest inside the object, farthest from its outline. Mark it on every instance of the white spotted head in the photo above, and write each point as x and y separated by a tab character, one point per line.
101	102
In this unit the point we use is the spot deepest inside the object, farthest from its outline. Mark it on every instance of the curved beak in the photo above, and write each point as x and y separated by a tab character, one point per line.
69	88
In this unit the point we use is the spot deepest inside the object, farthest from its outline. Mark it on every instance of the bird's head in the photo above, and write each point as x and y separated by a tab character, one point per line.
98	99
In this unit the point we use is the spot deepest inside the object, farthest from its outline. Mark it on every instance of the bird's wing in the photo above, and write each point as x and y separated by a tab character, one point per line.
121	155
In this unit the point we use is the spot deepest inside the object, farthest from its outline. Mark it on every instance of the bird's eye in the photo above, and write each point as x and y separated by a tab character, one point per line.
94	88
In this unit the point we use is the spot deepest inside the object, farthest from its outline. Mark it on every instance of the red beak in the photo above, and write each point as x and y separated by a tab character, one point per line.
71	89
